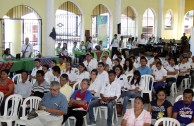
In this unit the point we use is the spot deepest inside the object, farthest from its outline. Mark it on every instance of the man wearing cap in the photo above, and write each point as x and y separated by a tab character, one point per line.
89	63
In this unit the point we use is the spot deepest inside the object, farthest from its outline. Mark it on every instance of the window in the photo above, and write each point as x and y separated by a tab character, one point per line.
148	23
168	20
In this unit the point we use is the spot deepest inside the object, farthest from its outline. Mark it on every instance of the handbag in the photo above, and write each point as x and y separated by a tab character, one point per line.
32	114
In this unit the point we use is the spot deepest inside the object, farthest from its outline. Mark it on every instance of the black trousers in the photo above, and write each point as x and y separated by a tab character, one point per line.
114	51
179	80
78	114
169	82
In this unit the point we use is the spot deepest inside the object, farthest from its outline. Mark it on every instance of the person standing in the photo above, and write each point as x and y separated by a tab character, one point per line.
114	44
26	49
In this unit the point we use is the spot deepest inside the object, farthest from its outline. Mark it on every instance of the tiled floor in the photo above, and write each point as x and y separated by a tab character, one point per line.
102	121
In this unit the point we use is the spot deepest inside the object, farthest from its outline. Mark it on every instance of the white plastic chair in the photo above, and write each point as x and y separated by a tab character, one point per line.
191	124
173	89
17	78
105	109
1	97
76	84
148	79
167	122
33	103
9	118
178	98
186	83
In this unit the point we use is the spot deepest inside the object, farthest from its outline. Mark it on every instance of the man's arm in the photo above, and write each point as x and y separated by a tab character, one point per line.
79	102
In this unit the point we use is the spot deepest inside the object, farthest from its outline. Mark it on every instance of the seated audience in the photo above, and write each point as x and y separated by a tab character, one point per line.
40	87
48	75
128	67
184	71
137	116
151	61
172	72
132	58
36	68
95	84
133	89
142	53
120	56
159	76
52	64
102	74
153	65
65	88
165	62
83	73
62	64
7	55
108	59
160	107
56	73
64	50
183	110
79	99
108	94
144	69
24	87
82	47
58	49
116	62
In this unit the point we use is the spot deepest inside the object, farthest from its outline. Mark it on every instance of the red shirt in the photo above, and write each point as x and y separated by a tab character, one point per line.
5	88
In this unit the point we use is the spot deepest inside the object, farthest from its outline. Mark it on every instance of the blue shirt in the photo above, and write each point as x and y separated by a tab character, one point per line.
185	113
144	71
87	98
55	102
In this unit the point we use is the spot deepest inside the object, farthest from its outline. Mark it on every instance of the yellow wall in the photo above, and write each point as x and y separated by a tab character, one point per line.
189	5
87	6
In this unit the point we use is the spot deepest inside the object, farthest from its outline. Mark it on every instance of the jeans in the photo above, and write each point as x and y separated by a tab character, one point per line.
96	103
126	96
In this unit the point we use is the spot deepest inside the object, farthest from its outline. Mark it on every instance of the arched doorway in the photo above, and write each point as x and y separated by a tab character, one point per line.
188	22
20	22
148	23
128	23
101	25
68	24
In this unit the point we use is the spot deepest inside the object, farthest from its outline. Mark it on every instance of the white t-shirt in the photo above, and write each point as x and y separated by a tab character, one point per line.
172	69
184	67
159	74
81	76
34	70
24	89
71	74
28	49
141	41
103	77
48	76
96	86
90	65
130	86
122	80
115	43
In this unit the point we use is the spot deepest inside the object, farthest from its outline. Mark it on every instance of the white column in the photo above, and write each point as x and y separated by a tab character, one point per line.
180	19
160	19
192	40
117	15
50	23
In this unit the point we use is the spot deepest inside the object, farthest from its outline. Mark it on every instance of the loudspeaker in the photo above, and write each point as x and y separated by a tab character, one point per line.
119	28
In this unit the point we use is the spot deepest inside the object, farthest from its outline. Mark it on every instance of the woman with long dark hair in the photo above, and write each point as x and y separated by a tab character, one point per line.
128	67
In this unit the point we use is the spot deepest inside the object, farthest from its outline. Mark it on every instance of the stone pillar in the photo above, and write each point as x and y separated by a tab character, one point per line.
160	19
49	24
180	19
117	16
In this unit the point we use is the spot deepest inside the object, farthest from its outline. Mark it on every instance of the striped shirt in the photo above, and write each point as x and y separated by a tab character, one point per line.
40	90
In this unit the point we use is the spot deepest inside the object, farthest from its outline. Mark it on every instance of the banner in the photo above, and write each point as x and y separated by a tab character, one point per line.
102	30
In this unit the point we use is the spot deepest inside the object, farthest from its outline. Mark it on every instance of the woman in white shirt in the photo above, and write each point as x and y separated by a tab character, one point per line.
83	73
184	70
128	67
121	78
134	88
172	72
159	76
95	84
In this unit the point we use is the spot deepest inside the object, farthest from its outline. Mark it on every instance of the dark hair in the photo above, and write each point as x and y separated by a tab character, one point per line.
24	71
139	98
54	61
143	57
188	91
120	67
159	63
62	57
156	57
40	72
5	70
130	65
56	69
133	57
136	72
117	59
65	76
111	72
6	51
37	60
82	64
101	63
95	71
45	65
87	80
161	89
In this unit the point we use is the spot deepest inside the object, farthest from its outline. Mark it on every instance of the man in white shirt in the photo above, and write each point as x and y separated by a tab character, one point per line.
36	68
24	87
89	64
56	72
141	42
27	49
102	74
109	93
108	60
